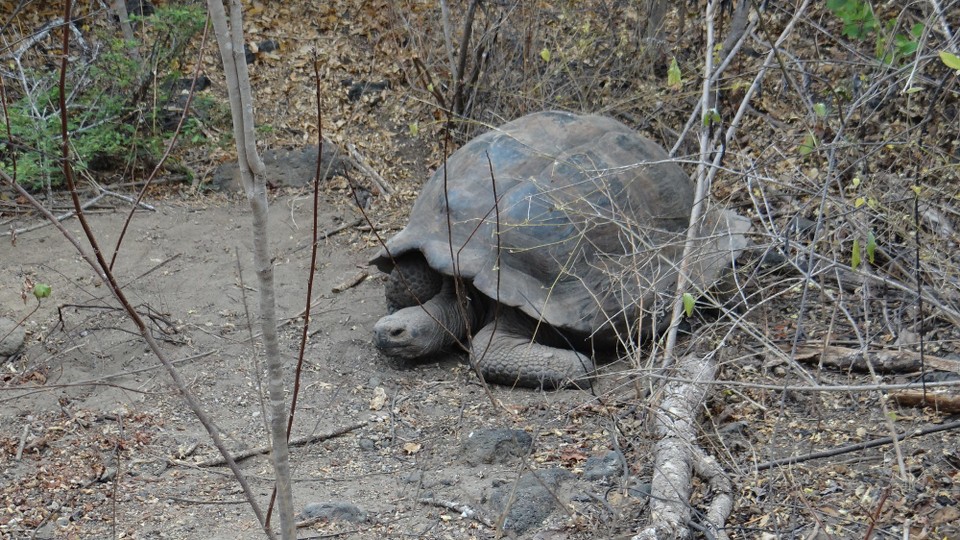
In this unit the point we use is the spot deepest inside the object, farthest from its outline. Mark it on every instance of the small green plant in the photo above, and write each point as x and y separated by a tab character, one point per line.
857	16
191	131
113	104
856	252
902	46
41	290
808	146
860	22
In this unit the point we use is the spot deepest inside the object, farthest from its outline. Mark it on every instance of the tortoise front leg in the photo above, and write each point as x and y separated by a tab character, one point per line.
505	353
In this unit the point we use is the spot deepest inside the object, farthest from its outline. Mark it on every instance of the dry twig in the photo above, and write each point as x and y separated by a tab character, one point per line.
299	441
361	164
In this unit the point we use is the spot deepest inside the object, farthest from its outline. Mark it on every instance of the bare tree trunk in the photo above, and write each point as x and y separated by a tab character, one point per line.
655	11
120	10
253	177
651	39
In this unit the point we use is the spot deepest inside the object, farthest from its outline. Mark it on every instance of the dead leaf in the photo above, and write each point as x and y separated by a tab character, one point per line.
379	399
947	514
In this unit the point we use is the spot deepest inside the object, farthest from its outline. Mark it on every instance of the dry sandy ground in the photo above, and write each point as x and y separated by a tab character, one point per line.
100	420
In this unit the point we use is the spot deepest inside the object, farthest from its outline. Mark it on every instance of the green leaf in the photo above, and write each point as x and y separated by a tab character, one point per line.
855	256
414	129
545	54
951	60
41	290
688	303
674	79
905	45
915	89
808	145
837	5
820	109
871	246
711	117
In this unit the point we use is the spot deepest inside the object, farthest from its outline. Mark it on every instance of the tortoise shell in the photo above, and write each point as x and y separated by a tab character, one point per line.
576	220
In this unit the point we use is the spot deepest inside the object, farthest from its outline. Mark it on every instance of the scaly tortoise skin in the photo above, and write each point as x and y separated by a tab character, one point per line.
577	255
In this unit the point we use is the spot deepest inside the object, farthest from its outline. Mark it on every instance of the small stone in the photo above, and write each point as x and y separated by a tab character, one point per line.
334	510
533	498
639	490
734	428
495	445
366	444
606	466
12	337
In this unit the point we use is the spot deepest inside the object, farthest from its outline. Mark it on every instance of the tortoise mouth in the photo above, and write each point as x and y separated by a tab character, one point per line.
395	337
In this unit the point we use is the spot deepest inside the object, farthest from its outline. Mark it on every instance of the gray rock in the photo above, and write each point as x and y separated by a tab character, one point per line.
12	338
639	490
532	501
414	478
334	510
940	376
597	467
495	445
366	444
286	168
735	428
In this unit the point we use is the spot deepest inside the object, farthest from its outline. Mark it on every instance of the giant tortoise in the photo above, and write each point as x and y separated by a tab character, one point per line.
546	241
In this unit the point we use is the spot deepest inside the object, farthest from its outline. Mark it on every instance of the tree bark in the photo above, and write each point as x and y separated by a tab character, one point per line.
253	177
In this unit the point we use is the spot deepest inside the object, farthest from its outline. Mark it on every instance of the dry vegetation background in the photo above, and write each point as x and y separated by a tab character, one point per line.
845	159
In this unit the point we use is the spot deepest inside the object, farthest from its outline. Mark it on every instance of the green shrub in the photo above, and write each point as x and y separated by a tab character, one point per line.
860	22
113	102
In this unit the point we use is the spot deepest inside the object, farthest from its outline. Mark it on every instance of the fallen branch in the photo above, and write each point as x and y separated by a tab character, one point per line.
361	163
846	449
720	489
677	456
36	389
943	403
61	217
352	282
67	215
40	34
883	361
23	442
334	230
300	441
